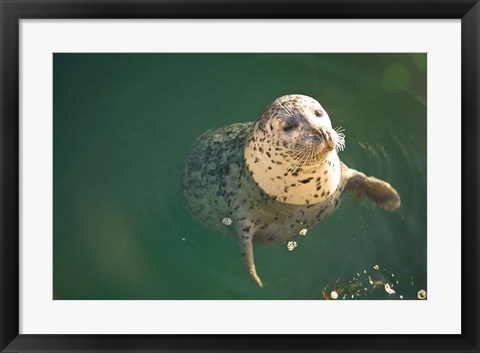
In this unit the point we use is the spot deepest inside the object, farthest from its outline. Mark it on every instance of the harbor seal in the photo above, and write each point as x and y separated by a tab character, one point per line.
269	180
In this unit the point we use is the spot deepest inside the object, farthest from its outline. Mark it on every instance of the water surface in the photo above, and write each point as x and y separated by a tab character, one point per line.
124	123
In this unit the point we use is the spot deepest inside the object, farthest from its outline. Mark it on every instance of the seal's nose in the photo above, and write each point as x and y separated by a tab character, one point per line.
319	135
318	138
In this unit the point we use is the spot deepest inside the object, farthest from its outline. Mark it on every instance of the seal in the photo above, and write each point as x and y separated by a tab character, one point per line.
270	180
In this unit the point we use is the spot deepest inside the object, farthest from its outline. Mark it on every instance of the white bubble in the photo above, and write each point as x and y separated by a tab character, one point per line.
334	294
422	294
389	289
303	231
227	221
291	245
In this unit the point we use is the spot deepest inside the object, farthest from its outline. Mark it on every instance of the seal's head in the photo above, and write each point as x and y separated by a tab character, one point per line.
291	151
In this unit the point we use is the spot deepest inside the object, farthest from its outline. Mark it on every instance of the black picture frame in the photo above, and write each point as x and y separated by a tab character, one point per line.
12	11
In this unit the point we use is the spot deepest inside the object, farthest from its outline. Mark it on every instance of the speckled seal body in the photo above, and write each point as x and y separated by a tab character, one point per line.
217	184
273	177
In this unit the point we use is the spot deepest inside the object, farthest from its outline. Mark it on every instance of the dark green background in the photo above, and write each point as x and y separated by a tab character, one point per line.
123	125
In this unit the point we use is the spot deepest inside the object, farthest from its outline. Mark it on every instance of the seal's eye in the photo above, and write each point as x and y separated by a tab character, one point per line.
318	113
289	127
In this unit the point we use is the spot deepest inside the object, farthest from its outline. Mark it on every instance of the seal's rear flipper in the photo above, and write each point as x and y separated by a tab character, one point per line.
245	238
379	191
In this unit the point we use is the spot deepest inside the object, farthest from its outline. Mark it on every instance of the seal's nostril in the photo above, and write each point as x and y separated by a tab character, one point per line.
316	136
326	135
319	135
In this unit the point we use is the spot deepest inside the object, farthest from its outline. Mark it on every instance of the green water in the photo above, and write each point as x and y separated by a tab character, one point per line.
124	123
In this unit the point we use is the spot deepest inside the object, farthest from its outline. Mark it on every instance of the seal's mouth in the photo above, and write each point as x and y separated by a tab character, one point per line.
315	146
311	150
331	139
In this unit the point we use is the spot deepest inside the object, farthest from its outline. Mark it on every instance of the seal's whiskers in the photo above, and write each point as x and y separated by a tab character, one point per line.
311	156
289	112
299	161
305	157
340	144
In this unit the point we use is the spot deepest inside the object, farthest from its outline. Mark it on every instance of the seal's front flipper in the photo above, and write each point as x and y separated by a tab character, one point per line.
245	238
379	191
